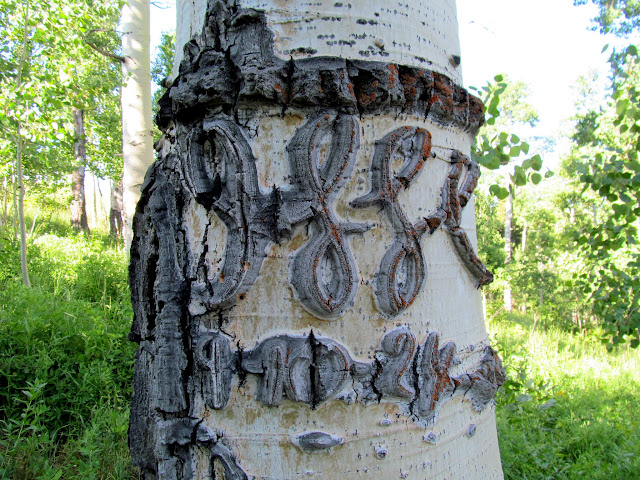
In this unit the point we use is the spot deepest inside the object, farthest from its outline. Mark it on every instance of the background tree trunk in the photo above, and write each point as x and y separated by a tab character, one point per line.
115	211
19	156
137	129
78	203
281	246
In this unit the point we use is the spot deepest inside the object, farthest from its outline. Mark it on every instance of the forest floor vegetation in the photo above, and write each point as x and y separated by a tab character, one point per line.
569	409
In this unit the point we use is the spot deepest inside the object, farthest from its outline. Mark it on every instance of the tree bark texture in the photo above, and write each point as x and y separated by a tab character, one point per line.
137	130
79	220
303	273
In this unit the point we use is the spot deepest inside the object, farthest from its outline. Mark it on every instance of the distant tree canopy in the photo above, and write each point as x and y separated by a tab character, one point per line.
620	17
46	69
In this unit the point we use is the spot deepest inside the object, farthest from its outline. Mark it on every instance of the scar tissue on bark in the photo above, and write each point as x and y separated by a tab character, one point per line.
312	442
233	61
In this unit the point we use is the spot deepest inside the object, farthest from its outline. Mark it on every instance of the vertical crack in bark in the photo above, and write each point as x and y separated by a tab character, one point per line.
314	376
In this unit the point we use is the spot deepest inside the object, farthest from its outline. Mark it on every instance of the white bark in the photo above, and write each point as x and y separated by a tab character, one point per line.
137	128
418	33
381	439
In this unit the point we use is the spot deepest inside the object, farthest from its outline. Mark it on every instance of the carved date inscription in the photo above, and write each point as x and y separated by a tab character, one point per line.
312	369
221	173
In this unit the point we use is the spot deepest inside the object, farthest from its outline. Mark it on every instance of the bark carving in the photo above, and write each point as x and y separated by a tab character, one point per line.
221	174
188	362
312	369
323	271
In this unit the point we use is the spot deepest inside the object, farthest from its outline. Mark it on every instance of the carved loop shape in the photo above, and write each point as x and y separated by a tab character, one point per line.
221	173
402	270
323	272
454	198
306	369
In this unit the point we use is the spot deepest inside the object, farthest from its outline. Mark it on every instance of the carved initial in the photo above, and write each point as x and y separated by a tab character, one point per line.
221	172
454	198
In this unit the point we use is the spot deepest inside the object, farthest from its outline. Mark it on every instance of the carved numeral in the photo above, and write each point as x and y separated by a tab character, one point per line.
221	172
306	369
323	272
216	361
454	199
313	369
396	359
402	270
435	383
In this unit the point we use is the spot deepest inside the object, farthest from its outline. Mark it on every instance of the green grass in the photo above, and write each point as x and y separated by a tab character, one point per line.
569	409
65	361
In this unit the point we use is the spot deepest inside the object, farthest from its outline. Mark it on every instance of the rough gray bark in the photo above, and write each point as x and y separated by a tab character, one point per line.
187	357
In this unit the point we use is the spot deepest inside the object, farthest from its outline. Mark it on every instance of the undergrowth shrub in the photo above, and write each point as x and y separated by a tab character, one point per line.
569	408
65	361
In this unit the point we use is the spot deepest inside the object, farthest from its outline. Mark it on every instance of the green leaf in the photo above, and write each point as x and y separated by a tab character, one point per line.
519	176
622	106
632	50
536	162
536	178
500	192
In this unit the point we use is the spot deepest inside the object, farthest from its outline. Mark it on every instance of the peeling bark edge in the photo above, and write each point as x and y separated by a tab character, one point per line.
233	63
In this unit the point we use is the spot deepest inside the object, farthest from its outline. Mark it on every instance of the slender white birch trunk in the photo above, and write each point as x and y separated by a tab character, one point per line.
137	129
304	279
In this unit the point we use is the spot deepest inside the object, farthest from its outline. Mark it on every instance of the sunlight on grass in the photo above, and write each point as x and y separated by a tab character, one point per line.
569	408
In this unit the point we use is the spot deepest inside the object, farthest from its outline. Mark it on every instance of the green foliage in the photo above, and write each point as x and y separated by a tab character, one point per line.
567	410
490	227
65	361
46	69
163	62
619	17
496	145
606	161
161	71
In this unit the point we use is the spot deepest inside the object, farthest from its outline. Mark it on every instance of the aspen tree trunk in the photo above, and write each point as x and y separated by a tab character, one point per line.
5	201
303	273
19	156
137	129
79	220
